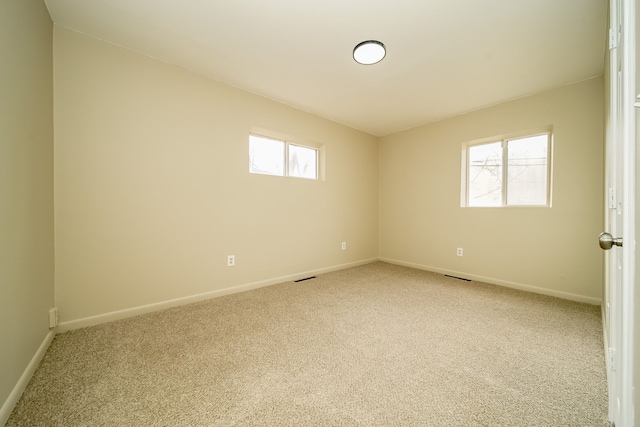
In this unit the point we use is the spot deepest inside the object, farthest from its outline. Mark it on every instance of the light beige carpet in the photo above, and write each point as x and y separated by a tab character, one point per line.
376	345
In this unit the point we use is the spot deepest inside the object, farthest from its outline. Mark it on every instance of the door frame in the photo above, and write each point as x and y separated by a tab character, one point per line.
621	134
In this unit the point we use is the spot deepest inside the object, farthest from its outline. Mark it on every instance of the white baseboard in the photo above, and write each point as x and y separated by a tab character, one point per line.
22	383
499	282
135	311
148	308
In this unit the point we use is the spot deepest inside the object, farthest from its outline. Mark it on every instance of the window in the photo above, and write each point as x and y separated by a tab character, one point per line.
270	156
522	180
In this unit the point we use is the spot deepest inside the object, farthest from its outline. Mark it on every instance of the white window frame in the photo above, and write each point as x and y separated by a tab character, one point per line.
288	141
504	140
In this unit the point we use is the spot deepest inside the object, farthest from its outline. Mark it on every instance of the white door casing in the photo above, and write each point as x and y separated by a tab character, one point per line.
620	211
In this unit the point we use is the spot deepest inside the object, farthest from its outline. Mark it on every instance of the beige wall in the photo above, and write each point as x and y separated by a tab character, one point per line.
549	250
153	190
26	188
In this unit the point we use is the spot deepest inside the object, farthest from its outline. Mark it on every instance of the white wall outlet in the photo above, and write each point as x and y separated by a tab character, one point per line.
344	246
231	260
459	252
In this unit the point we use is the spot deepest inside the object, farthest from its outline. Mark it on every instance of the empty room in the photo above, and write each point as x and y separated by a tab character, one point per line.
231	213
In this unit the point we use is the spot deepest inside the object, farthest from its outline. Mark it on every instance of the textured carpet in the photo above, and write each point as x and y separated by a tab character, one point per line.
376	345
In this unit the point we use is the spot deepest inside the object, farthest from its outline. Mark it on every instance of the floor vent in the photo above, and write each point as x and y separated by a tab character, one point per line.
306	278
459	278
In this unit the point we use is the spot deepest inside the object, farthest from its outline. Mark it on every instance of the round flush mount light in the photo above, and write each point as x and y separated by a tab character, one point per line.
369	52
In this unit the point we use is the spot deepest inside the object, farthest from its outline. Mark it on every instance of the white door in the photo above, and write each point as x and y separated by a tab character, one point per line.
619	238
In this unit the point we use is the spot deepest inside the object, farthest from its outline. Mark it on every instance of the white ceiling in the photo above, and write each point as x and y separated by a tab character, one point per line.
444	57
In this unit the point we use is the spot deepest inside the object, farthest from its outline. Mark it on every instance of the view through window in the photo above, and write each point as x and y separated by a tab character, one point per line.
508	172
270	156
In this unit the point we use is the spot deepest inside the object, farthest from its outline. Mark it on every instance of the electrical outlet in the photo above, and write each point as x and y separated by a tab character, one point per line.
344	246
459	252
231	260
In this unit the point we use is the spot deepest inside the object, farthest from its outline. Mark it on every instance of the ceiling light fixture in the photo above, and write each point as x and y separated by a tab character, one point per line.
369	52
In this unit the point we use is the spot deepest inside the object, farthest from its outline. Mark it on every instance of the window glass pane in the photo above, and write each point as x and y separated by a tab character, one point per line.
485	175
527	170
266	156
303	162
